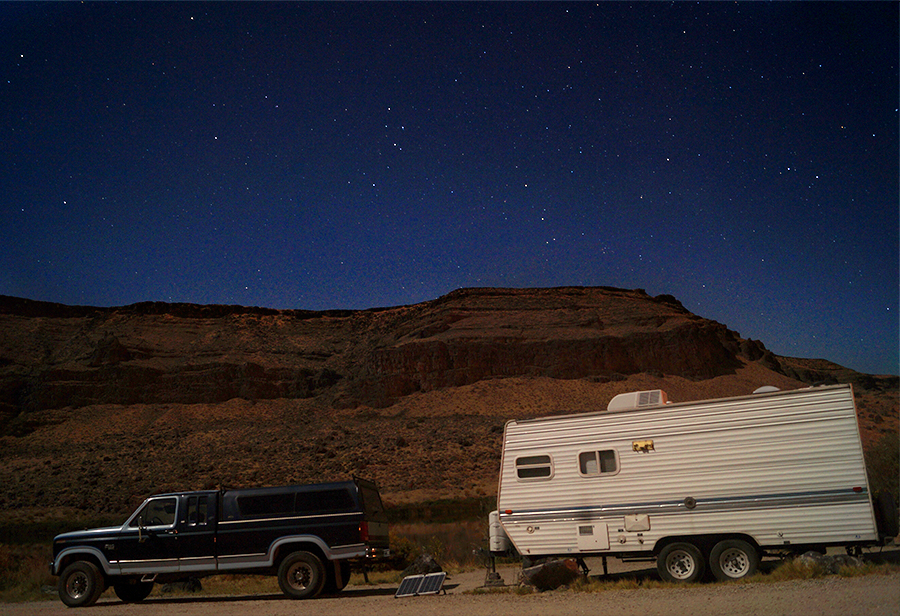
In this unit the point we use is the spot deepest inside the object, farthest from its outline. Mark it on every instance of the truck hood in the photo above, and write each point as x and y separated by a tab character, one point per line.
91	533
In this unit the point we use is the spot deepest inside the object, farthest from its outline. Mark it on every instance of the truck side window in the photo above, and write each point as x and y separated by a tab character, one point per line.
534	467
592	463
158	512
324	501
197	511
266	504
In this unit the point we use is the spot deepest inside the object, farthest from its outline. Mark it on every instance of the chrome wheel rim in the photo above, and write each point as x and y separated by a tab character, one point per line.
77	585
734	563
680	565
299	576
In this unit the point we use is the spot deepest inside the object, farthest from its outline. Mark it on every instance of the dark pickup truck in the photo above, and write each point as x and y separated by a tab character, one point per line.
305	535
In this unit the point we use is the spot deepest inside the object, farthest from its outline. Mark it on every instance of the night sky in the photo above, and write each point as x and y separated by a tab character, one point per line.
741	157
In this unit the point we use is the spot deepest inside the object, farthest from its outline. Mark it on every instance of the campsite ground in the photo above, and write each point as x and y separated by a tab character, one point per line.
874	595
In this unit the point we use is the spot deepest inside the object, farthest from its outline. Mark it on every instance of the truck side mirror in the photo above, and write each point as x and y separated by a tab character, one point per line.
141	536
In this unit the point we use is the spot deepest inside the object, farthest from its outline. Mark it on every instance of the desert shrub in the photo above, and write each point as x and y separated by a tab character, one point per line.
883	464
24	571
454	545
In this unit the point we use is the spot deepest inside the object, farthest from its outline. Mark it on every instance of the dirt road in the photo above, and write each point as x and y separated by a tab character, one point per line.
873	595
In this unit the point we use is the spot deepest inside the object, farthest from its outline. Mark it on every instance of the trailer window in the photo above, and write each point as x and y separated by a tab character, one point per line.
534	467
592	463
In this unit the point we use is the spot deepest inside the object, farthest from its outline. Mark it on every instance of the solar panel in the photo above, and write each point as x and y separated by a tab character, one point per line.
416	585
409	586
432	583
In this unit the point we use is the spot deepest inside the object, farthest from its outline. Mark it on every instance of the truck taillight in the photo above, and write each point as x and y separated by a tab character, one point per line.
364	531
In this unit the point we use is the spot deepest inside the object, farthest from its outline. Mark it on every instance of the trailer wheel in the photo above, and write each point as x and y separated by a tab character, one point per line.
301	575
680	562
81	584
733	559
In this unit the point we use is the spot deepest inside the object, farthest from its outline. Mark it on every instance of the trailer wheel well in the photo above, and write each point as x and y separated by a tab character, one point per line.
704	542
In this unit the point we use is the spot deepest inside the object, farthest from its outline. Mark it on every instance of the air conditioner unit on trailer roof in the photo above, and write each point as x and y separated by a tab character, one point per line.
638	400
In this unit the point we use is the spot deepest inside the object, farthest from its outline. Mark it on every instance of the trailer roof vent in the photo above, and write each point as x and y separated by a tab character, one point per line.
765	389
638	400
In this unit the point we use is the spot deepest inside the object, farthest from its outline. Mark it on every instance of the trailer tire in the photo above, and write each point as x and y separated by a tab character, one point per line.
680	562
301	575
733	559
81	584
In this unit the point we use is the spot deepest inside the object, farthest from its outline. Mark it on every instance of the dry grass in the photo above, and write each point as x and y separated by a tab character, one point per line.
24	571
795	569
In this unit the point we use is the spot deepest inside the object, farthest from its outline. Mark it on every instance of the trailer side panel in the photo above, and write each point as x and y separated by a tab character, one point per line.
783	469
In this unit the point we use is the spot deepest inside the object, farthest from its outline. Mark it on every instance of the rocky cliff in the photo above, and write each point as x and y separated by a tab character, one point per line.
130	400
54	356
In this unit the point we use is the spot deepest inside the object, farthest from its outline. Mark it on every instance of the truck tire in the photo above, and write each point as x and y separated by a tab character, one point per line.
680	562
733	559
132	590
301	575
81	584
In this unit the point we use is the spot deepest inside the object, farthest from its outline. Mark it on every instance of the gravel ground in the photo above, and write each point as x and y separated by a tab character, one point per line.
872	595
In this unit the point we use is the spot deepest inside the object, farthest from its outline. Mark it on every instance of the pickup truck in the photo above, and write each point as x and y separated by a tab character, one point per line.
305	535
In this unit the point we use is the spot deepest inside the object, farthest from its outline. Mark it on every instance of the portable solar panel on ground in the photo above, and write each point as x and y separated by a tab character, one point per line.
416	585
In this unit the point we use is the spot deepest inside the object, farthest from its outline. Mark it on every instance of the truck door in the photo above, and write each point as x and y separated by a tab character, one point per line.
197	532
149	543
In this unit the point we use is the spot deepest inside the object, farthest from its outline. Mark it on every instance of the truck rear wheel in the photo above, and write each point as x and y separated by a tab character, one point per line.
81	584
733	559
301	575
680	562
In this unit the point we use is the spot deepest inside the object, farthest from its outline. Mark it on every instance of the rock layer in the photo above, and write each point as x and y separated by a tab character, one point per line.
54	356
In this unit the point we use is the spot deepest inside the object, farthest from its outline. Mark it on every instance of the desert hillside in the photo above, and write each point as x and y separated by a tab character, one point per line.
100	407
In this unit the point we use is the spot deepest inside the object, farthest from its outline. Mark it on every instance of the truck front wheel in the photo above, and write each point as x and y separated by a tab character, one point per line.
81	584
733	559
680	562
301	575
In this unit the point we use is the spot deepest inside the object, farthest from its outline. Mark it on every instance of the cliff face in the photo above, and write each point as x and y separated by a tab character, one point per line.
100	407
571	333
54	356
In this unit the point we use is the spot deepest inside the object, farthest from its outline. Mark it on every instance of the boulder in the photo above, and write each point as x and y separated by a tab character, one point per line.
423	565
831	564
551	575
187	585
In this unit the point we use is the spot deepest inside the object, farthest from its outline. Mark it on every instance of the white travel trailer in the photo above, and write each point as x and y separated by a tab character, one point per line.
717	482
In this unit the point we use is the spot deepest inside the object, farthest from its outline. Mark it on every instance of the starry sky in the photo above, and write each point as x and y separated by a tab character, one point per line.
742	157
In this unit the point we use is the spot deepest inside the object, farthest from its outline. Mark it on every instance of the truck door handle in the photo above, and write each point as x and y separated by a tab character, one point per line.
172	531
